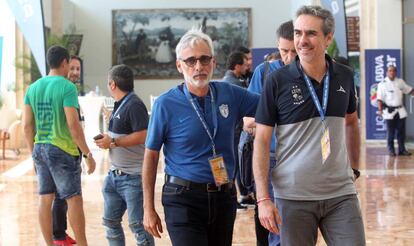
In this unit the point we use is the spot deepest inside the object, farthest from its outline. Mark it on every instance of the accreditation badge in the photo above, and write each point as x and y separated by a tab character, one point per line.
325	145
218	168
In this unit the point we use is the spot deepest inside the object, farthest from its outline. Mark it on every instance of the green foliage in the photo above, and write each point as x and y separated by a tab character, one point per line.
28	64
333	50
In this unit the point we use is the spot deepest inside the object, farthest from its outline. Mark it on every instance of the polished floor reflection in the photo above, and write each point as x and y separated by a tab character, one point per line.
386	192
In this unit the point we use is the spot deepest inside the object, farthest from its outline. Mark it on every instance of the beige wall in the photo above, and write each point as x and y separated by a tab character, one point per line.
93	18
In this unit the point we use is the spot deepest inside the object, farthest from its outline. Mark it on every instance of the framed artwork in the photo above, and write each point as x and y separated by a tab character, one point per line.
145	40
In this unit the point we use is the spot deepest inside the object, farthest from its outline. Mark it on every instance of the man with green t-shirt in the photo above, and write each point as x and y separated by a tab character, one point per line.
53	133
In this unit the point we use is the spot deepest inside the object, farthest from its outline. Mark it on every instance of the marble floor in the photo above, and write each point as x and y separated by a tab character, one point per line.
386	192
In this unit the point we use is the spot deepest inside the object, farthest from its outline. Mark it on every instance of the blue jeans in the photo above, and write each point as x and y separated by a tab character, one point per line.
121	193
196	217
57	171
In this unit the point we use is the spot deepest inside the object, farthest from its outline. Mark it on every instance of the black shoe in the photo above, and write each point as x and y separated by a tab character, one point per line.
404	153
240	207
247	201
391	153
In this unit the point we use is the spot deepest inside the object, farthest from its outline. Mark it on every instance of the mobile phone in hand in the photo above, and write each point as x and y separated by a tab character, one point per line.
97	137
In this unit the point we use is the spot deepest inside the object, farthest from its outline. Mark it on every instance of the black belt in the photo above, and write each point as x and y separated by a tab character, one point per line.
198	186
118	172
391	109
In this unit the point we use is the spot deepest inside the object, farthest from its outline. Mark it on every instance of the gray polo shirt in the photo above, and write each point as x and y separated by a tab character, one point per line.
300	173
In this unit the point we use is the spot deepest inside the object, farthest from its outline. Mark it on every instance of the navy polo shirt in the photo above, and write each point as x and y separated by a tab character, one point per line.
131	117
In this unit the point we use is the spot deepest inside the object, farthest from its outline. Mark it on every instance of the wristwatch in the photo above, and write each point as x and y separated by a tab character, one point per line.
357	173
112	144
87	156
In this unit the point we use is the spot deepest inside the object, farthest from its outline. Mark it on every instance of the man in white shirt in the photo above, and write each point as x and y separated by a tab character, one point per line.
390	106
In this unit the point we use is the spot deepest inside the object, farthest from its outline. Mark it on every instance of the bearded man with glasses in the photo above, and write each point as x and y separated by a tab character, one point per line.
194	123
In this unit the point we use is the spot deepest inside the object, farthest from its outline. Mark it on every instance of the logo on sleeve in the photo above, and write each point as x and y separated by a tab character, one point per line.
224	110
297	95
341	89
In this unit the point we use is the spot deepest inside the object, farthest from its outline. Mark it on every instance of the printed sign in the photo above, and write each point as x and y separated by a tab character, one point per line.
376	63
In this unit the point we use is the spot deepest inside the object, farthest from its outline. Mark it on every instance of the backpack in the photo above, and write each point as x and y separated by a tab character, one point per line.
245	150
246	160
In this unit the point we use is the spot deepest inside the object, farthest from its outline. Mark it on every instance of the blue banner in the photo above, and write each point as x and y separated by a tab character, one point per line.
29	17
258	55
337	8
376	63
1	56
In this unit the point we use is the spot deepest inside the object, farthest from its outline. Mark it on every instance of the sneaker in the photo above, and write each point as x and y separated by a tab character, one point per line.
404	153
391	153
61	243
247	200
240	207
70	240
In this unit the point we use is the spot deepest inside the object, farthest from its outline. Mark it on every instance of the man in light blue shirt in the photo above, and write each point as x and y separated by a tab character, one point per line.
194	124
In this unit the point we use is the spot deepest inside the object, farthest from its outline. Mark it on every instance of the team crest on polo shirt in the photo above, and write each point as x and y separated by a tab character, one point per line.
297	95
224	110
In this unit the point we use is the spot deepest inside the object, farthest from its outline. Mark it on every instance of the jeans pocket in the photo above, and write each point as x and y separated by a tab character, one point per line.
133	181
170	189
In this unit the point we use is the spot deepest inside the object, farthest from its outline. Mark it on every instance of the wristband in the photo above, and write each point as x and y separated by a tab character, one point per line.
263	199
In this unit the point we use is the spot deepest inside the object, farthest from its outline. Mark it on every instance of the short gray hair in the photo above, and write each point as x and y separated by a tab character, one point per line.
191	38
328	25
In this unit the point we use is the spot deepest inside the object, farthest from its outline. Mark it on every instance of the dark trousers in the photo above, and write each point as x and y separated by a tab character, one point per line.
59	209
262	234
196	217
396	126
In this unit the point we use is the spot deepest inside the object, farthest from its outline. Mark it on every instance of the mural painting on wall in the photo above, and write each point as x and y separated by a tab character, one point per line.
146	39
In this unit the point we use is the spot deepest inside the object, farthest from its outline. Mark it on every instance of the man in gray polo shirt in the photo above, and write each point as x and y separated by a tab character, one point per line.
122	189
312	104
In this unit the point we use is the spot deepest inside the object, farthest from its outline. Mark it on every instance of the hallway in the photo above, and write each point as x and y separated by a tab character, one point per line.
386	192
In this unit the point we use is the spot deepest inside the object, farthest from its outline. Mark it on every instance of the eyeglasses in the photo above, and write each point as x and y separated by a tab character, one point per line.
192	61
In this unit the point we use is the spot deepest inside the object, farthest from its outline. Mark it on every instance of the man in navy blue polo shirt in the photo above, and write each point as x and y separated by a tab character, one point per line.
312	103
122	188
194	123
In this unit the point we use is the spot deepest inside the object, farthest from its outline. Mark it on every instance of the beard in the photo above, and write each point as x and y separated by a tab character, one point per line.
199	81
74	79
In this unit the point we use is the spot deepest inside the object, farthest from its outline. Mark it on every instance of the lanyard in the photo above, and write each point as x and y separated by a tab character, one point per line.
201	117
322	111
117	110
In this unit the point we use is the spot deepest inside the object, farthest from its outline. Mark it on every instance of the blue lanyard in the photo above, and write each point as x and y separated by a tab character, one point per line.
322	111
196	108
117	110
